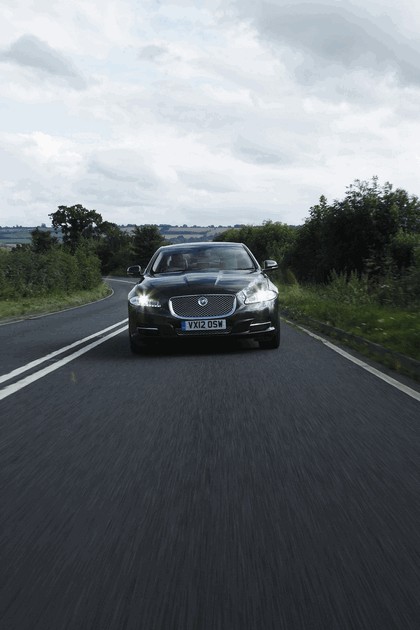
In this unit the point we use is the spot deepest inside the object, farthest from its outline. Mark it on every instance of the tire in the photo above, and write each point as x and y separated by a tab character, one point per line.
272	342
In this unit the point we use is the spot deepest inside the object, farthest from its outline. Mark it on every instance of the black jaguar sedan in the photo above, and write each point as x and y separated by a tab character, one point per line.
203	290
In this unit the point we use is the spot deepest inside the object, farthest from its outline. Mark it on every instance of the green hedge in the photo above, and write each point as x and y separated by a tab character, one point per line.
25	273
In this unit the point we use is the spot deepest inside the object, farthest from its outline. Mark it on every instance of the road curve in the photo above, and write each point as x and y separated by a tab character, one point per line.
203	487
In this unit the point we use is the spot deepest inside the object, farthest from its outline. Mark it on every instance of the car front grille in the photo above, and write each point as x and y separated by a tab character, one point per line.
212	305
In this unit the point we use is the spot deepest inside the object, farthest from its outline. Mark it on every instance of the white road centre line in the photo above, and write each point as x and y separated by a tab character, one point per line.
15	387
47	357
384	377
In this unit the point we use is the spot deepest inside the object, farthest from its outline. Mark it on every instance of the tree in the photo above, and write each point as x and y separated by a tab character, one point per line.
42	241
114	248
270	240
356	233
76	223
146	240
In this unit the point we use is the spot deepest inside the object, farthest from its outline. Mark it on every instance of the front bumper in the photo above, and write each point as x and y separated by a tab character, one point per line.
260	320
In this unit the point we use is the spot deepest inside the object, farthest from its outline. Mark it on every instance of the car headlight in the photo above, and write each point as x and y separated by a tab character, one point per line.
261	295
145	301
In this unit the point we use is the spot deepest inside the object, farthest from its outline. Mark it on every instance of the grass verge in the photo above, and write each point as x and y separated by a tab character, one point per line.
14	309
395	329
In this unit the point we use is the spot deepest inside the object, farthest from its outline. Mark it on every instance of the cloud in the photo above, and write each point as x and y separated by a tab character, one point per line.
25	191
115	196
30	52
122	165
336	36
153	53
258	153
189	107
208	181
195	112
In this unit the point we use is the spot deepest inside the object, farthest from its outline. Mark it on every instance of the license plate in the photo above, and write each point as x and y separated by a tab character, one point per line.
204	324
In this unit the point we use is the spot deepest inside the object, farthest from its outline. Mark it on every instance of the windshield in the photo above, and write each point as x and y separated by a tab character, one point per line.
203	259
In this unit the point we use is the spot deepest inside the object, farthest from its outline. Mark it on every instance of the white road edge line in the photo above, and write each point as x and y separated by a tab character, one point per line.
133	282
384	377
15	387
47	357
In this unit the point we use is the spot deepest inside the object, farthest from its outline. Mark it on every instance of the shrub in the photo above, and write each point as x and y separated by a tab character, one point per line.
348	289
25	273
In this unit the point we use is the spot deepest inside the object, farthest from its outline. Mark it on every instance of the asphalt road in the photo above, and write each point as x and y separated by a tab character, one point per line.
204	487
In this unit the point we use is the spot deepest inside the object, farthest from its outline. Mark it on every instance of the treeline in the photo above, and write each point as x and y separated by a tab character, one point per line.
370	238
90	248
368	241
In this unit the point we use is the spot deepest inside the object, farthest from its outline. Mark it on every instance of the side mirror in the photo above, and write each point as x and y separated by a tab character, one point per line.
135	271
269	265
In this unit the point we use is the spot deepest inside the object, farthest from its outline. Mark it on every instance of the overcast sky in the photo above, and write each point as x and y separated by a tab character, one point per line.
206	112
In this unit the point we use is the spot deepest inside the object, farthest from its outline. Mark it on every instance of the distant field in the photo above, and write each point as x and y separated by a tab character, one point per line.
189	233
182	233
12	237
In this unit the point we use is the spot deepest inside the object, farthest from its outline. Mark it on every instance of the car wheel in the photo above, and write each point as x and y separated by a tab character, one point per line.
272	342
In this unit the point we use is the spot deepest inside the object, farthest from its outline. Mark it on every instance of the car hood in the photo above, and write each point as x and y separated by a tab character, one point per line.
202	282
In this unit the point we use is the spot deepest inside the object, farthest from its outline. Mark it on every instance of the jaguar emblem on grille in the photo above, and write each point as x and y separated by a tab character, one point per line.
203	301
